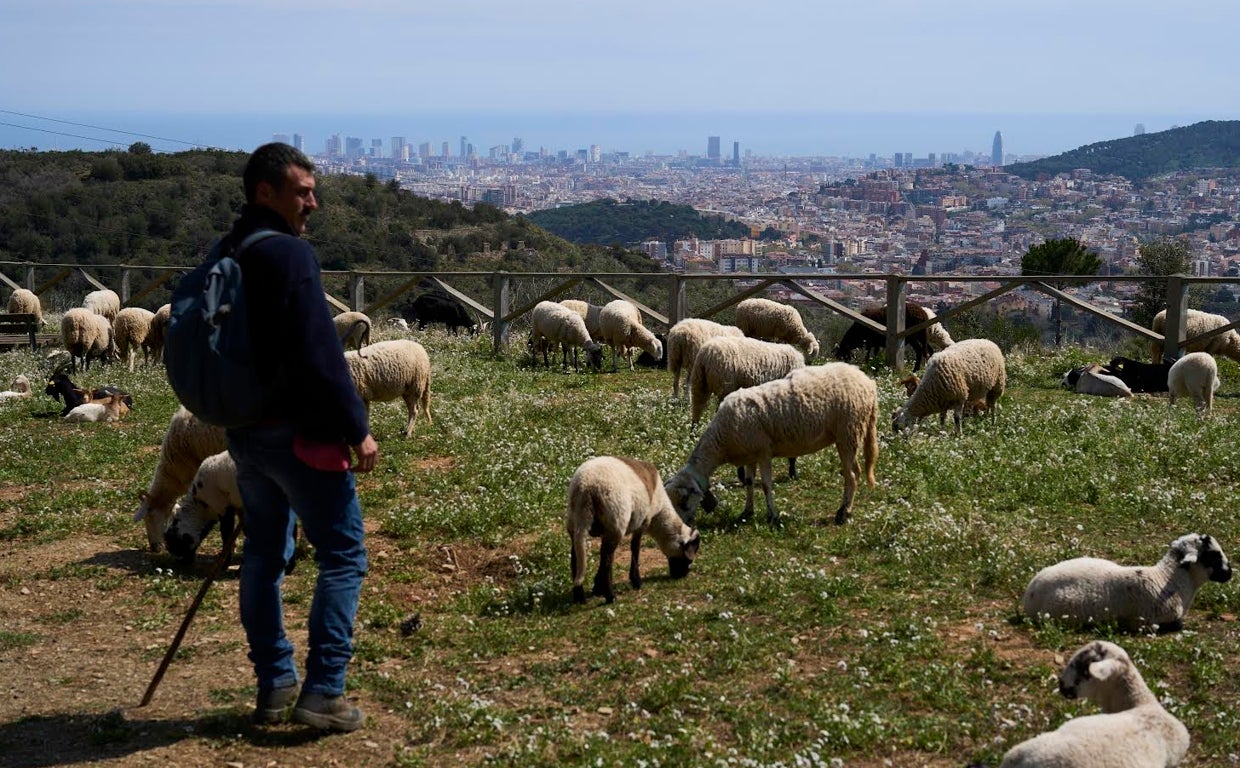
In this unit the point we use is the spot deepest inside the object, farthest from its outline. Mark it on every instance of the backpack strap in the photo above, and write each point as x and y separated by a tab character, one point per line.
253	238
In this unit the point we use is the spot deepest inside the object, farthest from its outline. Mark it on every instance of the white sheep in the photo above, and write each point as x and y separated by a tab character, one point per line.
685	339
622	330
112	408
159	332
937	334
803	412
103	302
556	324
590	313
212	496
398	368
1196	323
399	323
1195	375
20	388
773	321
130	329
25	301
86	335
728	363
1134	731
187	442
353	328
1088	590
969	370
610	497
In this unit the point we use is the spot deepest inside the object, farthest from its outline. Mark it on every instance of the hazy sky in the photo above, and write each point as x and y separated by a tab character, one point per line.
60	57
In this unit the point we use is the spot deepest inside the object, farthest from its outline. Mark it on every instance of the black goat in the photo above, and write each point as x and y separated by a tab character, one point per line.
61	388
439	307
858	336
1139	376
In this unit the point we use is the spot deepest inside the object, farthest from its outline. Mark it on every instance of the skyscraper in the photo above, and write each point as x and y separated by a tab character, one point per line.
464	152
736	154
1139	130
996	150
712	149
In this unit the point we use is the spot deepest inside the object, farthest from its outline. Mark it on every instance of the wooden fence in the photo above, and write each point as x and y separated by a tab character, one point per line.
500	313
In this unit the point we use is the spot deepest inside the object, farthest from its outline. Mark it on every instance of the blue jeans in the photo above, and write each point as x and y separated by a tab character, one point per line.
274	483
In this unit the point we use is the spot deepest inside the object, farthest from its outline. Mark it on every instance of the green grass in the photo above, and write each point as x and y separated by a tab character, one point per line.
894	637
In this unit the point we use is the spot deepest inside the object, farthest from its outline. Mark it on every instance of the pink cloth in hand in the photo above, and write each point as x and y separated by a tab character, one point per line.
327	457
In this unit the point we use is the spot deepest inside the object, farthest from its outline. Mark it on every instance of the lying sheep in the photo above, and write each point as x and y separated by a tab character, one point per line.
685	339
103	302
399	368
159	332
25	301
61	388
556	324
773	321
130	329
803	412
969	370
610	497
187	442
20	388
1088	590
621	326
591	313
1134	731
86	335
1093	379
1139	376
1196	323
353	328
111	408
1195	375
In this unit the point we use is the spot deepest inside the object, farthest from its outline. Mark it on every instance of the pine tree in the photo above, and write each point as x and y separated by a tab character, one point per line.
1065	256
1164	256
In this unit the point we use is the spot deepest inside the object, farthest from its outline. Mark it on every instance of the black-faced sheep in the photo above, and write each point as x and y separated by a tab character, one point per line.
130	329
806	411
24	301
1134	731
353	328
187	442
1196	323
621	327
859	336
556	324
773	321
87	336
103	302
1195	375
1090	590
969	370
611	497
685	339
388	370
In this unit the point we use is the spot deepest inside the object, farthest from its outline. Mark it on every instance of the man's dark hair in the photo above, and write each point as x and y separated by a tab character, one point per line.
269	163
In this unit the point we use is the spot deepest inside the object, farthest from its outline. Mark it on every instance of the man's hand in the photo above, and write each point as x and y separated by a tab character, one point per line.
367	455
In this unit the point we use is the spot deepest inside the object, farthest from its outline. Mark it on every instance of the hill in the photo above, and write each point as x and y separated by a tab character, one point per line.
1209	144
607	222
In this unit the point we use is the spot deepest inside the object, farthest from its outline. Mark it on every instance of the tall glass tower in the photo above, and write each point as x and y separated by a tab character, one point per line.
996	150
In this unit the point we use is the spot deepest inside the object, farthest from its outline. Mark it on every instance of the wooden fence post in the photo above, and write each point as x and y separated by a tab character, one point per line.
499	326
357	292
675	300
30	278
124	285
1177	315
897	294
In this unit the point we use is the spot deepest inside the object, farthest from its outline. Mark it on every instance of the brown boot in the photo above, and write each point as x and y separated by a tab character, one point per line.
327	713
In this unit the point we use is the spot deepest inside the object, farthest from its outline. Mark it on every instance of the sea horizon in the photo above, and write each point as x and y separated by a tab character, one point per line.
788	134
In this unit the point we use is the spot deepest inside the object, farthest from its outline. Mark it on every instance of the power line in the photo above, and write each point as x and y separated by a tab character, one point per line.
62	133
92	127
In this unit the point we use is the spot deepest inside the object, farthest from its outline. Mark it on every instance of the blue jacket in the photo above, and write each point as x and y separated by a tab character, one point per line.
292	333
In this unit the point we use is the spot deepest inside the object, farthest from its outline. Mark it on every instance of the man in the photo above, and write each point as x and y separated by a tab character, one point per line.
314	411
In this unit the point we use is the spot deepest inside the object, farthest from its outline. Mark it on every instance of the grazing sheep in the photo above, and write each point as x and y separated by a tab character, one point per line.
1196	323
1195	375
187	442
937	334
622	330
591	313
1134	731
213	494
399	368
111	408
24	301
859	336
557	324
772	321
1088	590
353	328
159	332
131	328
610	497
803	412
103	302
968	370
20	388
971	408
1093	379
728	363
86	335
685	339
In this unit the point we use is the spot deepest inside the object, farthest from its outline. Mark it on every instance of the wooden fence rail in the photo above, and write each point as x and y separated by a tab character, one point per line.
500	313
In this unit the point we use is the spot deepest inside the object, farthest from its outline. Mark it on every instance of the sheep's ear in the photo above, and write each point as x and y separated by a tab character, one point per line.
690	548
1106	669
1188	557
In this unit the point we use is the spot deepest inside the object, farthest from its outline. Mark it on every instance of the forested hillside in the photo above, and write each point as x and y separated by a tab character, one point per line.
138	207
607	222
1209	144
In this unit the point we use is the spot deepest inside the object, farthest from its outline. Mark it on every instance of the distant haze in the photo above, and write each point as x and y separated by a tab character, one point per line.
805	135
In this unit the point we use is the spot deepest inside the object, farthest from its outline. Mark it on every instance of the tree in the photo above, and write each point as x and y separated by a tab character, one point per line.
1163	256
1065	256
139	148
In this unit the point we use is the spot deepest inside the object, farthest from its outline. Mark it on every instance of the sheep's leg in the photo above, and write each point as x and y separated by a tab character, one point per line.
792	468
607	556
411	405
635	573
750	471
958	415
676	384
772	514
850	470
577	564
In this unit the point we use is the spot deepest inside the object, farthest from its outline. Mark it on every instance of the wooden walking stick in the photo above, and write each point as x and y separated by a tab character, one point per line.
229	530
